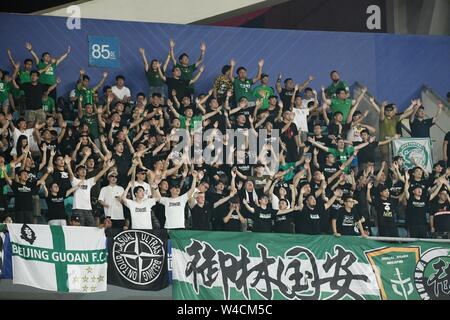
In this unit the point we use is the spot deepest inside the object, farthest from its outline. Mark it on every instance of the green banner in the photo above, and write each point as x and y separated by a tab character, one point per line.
418	149
252	266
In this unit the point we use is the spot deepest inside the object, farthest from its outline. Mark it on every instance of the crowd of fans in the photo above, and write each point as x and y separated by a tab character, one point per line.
103	155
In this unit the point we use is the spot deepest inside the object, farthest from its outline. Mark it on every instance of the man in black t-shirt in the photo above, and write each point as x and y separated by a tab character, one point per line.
262	215
284	218
385	211
447	149
416	201
440	212
346	220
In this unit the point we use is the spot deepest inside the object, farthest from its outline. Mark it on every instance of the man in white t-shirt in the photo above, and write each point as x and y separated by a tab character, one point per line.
82	196
175	205
140	208
120	92
109	198
301	114
140	181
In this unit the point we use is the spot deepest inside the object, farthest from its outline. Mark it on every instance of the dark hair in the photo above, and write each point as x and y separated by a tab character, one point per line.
339	90
86	77
346	197
286	80
381	188
389	106
338	112
365	131
184	54
27	60
225	68
120	77
34	72
156	94
105	88
308	89
140	94
43	54
175	67
19	144
239	69
331	73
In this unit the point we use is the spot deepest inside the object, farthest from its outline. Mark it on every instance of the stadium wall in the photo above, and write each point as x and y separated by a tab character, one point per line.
394	67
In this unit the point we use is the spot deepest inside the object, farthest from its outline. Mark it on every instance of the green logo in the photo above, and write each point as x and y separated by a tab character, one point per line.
414	150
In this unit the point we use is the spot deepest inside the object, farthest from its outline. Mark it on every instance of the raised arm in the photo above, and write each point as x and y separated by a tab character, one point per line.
64	56
318	145
106	167
161	74
101	82
324	97
144	58
197	76
171	53
33	54
438	112
202	54
258	75
194	183
249	208
374	105
278	86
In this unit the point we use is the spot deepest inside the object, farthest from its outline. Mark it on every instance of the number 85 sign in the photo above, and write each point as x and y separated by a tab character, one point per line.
104	51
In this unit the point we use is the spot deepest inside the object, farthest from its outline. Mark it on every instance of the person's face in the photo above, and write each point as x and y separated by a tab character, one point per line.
282	205
34	77
220	186
107	223
331	159
156	100
140	176
282	192
385	193
443	195
47	135
349	203
140	194
309	94
28	65
317	176
85	83
249	186
340	144
298	101
307	189
112	178
338	117
265	80
59	161
164	185
186	101
342	95
140	100
120	82
287	115
47	58
50	122
263	201
184	60
241	119
174	192
155	65
119	107
290	85
89	108
389	112
24	143
365	136
55	188
438	169
177	72
8	220
213	104
22	125
417	173
311	202
242	74
200	198
81	172
188	113
90	163
120	136
159	165
23	176
421	113
259	170
417	192
317	130
119	147
335	77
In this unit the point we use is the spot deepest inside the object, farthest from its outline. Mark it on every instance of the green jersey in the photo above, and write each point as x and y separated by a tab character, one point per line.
290	175
332	88
243	89
48	105
196	121
187	72
153	78
343	106
5	89
342	156
88	95
24	76
263	92
92	123
47	77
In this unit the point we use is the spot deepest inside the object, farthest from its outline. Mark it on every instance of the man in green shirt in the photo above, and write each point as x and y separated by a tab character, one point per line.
243	86
187	70
5	89
91	118
156	85
82	88
188	120
335	85
263	91
47	67
48	104
389	120
341	152
342	103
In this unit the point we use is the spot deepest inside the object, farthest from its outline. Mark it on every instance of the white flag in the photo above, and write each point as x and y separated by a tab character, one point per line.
65	259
